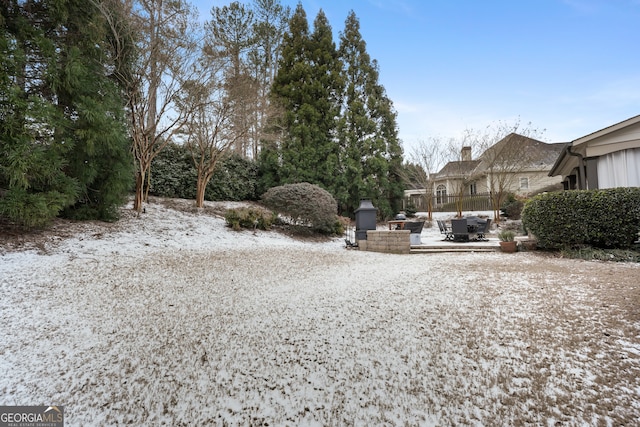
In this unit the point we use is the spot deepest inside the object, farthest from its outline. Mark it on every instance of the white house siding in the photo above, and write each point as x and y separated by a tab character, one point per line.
537	181
619	169
623	139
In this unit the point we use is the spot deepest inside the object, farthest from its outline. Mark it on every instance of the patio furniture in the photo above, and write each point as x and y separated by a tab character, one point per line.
414	226
415	229
396	224
444	229
460	230
483	228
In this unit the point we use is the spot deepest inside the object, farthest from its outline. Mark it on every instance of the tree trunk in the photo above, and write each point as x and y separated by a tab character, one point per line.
137	202
496	201
201	187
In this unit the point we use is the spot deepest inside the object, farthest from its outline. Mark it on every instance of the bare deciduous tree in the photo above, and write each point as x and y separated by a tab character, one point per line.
461	170
166	53
427	158
211	129
508	149
154	44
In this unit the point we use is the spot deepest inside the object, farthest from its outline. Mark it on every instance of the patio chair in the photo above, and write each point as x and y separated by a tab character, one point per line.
444	230
414	226
483	228
460	230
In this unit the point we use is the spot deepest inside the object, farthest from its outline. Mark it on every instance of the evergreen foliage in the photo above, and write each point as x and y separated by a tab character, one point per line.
250	217
305	205
306	88
608	218
64	146
372	153
339	127
95	119
174	175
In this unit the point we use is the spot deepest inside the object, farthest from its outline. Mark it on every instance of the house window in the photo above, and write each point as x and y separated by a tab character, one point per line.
524	183
473	189
441	194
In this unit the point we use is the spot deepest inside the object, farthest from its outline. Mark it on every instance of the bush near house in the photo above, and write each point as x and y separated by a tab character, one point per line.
608	218
305	205
512	207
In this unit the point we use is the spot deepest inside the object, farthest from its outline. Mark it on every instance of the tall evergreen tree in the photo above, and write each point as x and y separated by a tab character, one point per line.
33	185
306	87
371	158
94	110
63	143
326	88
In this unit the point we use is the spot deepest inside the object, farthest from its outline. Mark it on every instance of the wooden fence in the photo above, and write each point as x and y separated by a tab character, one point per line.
447	203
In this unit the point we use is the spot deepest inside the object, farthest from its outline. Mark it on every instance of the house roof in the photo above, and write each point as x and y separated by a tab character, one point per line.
561	162
537	156
566	161
607	130
534	154
458	168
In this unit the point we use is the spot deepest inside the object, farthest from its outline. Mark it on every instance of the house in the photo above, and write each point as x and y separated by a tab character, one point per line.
454	176
516	164
606	158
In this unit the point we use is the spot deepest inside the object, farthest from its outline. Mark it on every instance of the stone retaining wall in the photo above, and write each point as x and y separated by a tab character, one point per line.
387	241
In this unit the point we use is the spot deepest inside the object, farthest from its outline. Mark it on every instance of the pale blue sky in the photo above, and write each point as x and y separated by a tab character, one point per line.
571	67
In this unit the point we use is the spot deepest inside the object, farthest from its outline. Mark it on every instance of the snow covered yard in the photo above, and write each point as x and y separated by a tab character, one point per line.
172	319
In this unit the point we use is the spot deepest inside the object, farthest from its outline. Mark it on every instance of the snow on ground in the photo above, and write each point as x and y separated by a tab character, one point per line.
173	319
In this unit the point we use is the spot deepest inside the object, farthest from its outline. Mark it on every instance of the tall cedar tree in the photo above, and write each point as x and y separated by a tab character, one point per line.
63	143
93	105
371	160
306	87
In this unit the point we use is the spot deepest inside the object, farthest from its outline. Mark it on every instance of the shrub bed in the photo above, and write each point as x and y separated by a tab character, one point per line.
251	218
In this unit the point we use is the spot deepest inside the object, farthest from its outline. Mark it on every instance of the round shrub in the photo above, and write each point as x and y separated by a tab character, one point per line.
305	205
608	218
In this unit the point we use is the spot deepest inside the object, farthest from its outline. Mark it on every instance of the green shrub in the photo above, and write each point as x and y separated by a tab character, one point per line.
305	205
251	218
174	175
410	210
235	178
512	207
607	218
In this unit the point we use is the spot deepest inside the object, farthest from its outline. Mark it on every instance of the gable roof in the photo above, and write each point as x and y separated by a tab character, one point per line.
537	155
567	159
458	168
610	129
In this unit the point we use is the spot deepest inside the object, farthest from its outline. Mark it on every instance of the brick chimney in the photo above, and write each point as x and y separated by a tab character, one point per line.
465	153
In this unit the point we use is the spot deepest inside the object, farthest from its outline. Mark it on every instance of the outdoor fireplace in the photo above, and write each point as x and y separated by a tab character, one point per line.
366	216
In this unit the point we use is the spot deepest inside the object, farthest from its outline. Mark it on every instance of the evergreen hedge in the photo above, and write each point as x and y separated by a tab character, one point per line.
608	218
174	175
